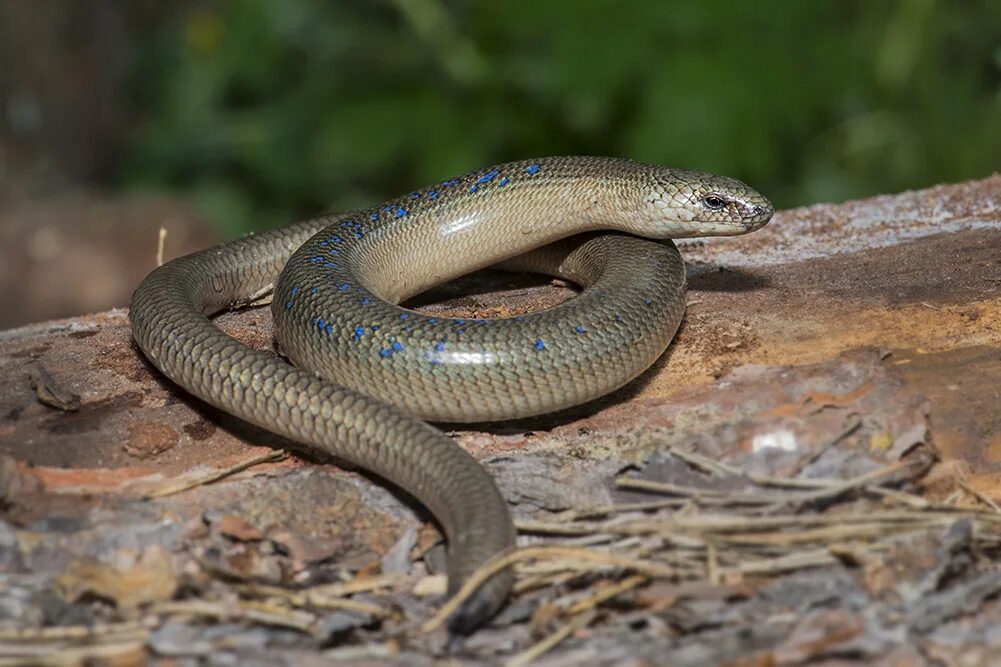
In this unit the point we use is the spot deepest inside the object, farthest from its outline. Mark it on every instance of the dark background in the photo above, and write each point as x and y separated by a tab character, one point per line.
215	118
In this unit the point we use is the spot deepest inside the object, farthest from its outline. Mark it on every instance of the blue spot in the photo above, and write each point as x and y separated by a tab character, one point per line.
404	316
359	235
439	347
415	195
520	318
366	301
648	301
318	259
320	323
460	321
502	182
375	327
344	287
314	291
295	290
336	239
489	176
329	265
384	352
288	305
618	318
451	181
399	212
474	188
459	331
397	346
433	194
329	328
373	217
532	169
579	329
359	332
433	320
540	344
408	329
323	243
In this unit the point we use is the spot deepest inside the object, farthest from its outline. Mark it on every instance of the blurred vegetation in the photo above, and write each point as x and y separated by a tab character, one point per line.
265	111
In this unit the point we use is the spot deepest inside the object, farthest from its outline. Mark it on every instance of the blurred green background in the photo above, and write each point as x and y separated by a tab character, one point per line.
262	111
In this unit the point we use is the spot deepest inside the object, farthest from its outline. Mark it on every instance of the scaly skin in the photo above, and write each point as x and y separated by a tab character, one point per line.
366	369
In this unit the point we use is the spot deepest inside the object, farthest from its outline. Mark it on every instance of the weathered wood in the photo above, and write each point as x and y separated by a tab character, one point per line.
838	340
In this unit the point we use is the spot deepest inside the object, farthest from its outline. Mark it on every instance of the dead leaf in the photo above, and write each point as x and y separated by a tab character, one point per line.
305	551
51	393
150	578
237	528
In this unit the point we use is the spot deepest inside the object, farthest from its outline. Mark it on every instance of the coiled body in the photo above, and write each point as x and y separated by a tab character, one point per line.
366	370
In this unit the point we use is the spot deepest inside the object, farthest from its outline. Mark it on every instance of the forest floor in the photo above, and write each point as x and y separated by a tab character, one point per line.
811	473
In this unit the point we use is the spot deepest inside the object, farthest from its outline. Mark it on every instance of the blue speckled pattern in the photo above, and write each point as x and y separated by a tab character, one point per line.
446	369
365	367
449	370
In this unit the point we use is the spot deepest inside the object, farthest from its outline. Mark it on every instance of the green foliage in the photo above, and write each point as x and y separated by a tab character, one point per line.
265	111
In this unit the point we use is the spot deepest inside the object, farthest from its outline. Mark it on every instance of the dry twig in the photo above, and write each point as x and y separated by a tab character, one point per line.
215	475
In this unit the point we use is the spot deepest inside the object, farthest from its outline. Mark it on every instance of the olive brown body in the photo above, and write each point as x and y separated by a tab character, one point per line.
366	371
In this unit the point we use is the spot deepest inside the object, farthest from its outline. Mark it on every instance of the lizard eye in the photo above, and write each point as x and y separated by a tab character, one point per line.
713	202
